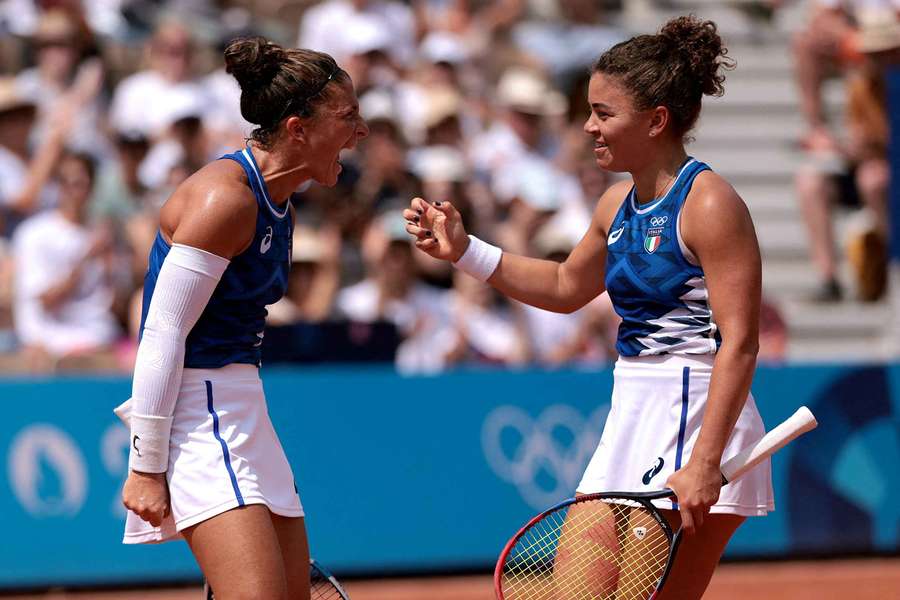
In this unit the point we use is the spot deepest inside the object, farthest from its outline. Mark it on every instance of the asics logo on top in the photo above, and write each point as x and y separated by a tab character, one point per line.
266	241
654	471
657	221
260	335
615	235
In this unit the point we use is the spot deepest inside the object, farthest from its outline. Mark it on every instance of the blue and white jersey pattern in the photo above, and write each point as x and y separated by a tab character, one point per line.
230	330
660	294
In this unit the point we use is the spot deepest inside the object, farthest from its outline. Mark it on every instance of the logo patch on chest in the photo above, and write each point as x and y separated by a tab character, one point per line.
266	241
653	239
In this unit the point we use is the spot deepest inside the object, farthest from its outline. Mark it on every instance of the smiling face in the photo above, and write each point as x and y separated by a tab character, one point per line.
336	125
621	133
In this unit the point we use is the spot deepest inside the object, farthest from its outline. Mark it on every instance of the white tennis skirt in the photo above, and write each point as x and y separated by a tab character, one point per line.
223	453
657	409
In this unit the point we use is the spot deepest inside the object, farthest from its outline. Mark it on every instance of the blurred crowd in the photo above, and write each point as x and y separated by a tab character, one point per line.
107	105
846	166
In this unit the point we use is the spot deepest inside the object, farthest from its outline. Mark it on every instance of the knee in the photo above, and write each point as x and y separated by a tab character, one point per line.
872	178
811	187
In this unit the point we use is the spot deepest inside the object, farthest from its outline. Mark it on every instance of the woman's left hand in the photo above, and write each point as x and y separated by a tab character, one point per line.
697	486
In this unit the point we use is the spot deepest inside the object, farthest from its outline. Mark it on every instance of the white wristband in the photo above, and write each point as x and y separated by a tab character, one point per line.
480	259
149	443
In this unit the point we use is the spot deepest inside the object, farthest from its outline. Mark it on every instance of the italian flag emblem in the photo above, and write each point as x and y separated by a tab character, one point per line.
653	239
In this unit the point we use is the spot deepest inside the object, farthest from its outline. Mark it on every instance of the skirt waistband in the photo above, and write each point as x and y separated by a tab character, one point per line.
232	372
700	362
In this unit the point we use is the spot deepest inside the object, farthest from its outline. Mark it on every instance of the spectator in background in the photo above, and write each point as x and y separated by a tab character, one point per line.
392	291
525	100
335	27
586	336
64	51
864	185
16	118
826	46
181	140
24	175
63	297
142	101
313	280
567	38
482	328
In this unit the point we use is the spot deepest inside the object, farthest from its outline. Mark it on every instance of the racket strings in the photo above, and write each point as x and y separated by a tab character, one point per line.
592	550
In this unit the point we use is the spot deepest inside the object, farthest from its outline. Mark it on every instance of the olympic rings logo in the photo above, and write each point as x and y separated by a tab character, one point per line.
543	457
657	221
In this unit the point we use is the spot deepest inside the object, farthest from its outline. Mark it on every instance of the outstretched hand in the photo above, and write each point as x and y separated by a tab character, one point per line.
438	229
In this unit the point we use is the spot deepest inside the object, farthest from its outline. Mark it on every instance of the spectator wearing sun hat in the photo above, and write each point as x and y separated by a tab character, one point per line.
525	101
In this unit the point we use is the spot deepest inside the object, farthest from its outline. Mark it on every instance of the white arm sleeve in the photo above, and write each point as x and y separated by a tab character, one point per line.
184	286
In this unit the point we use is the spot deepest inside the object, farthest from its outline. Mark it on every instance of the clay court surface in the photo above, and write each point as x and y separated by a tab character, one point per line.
872	579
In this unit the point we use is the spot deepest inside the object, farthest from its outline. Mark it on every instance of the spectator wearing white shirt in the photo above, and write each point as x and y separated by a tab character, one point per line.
330	27
393	292
63	298
62	48
143	101
525	101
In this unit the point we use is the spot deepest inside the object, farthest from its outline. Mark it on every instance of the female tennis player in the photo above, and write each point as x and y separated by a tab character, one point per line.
676	250
205	461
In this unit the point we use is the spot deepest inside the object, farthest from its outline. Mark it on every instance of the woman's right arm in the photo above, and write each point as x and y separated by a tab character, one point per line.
207	223
559	287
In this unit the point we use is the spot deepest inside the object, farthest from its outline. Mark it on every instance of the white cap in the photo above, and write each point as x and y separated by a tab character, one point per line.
527	91
532	180
439	163
443	46
440	104
181	102
378	103
366	33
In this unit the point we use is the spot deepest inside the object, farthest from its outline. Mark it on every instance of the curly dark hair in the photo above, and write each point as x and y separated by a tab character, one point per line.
674	68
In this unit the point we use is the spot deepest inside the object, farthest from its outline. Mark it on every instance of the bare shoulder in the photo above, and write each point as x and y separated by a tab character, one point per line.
711	194
714	213
214	209
609	204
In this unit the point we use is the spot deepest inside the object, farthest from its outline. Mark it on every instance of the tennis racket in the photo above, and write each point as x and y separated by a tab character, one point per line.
322	585
612	546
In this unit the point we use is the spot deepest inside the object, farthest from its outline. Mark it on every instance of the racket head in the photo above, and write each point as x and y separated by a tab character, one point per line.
323	585
594	546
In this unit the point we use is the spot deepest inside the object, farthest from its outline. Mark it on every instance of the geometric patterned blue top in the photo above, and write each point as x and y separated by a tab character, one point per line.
658	290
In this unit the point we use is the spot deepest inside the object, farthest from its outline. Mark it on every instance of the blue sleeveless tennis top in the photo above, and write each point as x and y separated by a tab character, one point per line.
230	330
661	296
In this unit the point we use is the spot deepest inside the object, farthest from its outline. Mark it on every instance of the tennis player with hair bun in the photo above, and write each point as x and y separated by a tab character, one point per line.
677	252
205	461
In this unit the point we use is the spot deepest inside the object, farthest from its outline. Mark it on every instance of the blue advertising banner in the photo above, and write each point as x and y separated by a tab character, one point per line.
420	474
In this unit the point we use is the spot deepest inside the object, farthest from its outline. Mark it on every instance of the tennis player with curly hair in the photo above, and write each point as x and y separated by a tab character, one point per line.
675	248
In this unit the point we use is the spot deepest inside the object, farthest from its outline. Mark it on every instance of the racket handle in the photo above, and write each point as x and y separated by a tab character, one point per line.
797	424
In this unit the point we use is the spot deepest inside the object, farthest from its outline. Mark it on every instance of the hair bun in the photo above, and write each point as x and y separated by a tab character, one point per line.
701	48
253	61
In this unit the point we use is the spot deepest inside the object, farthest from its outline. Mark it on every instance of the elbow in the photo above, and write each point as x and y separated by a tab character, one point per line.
747	346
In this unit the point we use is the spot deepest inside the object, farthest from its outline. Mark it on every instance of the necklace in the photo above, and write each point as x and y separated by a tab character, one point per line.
666	189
